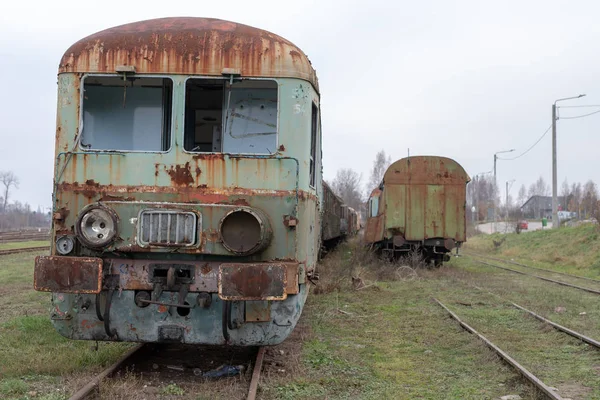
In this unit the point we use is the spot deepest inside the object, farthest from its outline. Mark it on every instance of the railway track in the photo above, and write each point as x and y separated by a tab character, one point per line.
563	283
166	364
537	382
534	268
22	250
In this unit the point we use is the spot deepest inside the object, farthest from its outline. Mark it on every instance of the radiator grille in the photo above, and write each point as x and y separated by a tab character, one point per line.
167	228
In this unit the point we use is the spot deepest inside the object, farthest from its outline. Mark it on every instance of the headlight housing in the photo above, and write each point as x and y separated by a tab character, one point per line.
245	231
96	226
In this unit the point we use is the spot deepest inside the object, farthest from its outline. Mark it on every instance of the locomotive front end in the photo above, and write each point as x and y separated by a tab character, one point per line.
186	185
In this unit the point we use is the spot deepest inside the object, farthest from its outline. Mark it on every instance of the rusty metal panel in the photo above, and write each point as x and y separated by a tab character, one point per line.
198	46
252	281
67	274
258	311
434	211
415	214
292	278
425	198
425	170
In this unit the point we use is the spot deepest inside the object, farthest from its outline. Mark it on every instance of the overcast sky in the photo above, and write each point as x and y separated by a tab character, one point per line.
462	79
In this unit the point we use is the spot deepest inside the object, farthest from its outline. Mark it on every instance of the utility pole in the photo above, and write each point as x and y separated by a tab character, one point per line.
554	173
506	204
495	182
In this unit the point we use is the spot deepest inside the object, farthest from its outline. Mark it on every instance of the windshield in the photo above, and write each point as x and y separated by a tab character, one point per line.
128	115
237	118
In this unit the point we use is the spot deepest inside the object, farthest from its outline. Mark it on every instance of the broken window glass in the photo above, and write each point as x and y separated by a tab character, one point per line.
248	126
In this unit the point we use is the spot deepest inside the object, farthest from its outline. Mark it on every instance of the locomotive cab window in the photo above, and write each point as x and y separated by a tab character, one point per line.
231	118
132	114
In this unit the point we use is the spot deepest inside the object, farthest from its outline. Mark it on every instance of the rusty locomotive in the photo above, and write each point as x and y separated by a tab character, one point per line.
188	193
419	205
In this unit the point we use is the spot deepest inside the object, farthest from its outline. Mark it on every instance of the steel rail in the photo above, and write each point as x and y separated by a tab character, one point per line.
22	250
256	374
91	385
542	278
528	375
538	268
561	328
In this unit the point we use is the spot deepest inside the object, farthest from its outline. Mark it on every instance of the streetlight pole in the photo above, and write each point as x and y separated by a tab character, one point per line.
554	173
495	182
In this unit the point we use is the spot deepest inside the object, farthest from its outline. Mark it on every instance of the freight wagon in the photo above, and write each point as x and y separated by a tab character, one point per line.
420	205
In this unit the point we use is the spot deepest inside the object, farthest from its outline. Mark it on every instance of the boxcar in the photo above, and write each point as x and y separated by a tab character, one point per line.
332	217
419	205
187	185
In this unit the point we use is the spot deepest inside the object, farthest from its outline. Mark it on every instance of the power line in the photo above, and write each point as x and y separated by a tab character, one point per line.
587	105
532	146
581	116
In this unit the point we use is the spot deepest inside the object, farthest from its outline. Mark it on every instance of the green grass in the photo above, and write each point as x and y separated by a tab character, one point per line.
574	250
392	341
21	245
33	356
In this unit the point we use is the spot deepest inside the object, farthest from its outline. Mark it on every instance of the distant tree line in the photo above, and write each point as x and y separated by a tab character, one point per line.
348	185
482	193
16	215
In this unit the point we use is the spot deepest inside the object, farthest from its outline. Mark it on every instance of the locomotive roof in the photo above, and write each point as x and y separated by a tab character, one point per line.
189	45
426	170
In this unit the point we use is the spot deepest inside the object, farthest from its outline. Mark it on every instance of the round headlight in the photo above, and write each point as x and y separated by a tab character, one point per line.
65	245
96	226
245	231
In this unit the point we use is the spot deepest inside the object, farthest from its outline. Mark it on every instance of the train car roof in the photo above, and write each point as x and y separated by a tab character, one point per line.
327	187
189	45
426	170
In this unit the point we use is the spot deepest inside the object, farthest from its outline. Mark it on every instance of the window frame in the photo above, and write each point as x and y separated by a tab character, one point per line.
81	112
225	80
315	116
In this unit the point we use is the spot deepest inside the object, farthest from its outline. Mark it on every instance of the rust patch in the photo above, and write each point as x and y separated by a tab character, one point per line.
290	221
181	175
61	214
281	148
209	156
206	269
198	46
91	182
67	274
110	197
252	282
180	193
240	202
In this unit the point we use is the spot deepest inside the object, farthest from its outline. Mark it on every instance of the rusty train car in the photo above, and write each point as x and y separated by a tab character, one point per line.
187	186
332	222
420	204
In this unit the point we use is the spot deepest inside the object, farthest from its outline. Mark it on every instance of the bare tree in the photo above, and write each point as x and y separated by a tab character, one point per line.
8	179
576	196
539	188
481	193
565	191
347	185
380	165
522	196
590	198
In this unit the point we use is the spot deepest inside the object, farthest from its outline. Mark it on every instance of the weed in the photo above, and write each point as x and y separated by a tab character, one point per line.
173	389
13	386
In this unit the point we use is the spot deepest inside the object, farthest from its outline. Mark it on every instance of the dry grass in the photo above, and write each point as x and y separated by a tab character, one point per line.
353	266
